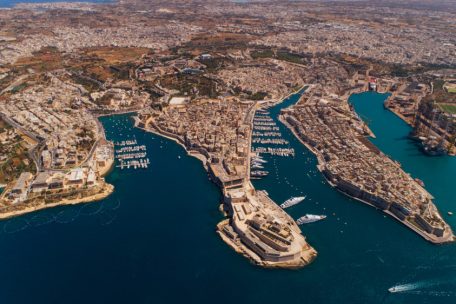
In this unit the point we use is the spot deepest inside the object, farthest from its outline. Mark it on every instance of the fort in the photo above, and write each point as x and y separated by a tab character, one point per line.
256	226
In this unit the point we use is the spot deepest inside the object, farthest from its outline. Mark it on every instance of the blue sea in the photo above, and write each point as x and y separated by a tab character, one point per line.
154	241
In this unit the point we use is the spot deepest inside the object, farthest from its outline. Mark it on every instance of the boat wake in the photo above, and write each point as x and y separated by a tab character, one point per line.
417	288
106	213
432	293
410	287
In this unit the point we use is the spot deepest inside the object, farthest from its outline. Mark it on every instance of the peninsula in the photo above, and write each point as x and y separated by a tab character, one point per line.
199	72
351	163
218	132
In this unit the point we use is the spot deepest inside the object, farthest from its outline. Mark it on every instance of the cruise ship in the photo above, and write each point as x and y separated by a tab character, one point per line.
309	218
292	201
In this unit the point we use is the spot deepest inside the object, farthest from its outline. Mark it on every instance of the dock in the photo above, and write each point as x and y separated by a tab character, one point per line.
131	155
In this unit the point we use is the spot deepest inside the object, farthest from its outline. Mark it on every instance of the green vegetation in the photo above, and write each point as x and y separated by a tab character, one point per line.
121	71
440	95
399	71
443	98
438	85
213	64
262	54
191	85
105	100
291	57
258	96
448	108
17	162
87	83
19	88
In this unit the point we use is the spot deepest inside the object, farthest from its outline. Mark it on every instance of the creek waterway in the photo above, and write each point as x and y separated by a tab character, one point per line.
153	240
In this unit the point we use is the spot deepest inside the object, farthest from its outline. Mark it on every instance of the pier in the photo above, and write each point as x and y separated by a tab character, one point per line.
131	155
266	139
275	151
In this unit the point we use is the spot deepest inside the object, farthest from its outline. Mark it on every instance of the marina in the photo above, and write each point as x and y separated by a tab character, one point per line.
131	155
270	138
356	239
264	128
275	151
267	134
268	141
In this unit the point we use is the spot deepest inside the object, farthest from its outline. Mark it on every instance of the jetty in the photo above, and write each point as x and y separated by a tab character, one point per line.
131	155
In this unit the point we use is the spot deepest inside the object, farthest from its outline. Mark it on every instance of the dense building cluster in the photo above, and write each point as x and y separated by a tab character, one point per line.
66	155
352	164
59	186
216	128
46	112
387	44
68	39
219	132
196	72
274	77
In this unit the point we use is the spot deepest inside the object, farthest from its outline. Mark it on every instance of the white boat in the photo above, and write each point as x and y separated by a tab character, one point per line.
257	166
292	201
402	288
259	159
393	289
309	218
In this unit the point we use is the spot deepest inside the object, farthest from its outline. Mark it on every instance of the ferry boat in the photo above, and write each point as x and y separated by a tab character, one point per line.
292	201
309	218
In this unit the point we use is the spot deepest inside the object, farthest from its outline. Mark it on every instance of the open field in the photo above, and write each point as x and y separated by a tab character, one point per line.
116	55
448	108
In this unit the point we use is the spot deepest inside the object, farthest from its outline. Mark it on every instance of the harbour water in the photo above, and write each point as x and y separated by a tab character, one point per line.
153	240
